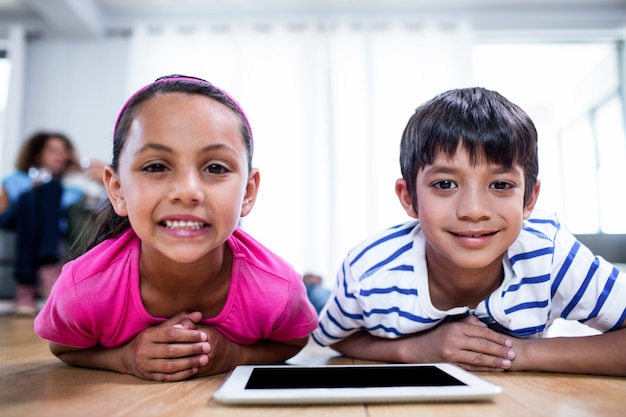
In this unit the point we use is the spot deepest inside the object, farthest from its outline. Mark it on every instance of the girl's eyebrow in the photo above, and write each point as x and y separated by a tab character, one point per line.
153	147
159	147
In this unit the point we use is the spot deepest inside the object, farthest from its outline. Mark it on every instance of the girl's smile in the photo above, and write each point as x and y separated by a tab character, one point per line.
184	226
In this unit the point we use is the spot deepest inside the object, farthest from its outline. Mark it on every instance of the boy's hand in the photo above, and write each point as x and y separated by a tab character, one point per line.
171	351
470	344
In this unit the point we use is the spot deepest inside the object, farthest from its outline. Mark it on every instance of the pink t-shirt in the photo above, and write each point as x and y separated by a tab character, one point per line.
97	300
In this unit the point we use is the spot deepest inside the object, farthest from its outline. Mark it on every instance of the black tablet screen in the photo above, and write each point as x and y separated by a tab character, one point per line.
350	377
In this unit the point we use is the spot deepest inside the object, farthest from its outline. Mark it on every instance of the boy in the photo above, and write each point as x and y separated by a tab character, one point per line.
478	276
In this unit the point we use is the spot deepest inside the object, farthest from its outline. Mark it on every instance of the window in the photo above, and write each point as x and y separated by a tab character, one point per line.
571	91
5	68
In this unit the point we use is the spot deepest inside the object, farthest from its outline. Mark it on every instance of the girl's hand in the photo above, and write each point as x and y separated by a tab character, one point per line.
186	320
171	351
223	353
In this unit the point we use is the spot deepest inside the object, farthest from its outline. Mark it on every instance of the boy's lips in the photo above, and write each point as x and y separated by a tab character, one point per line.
475	234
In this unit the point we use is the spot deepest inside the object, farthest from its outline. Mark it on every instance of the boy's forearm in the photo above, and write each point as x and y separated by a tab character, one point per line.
599	354
362	345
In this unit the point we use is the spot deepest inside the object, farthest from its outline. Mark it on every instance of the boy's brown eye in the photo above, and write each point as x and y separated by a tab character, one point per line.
501	185
444	185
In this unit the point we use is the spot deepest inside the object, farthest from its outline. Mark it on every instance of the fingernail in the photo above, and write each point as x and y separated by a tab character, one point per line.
511	354
178	326
506	363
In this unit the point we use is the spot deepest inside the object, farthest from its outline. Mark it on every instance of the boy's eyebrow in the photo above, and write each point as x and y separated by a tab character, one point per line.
440	169
506	170
450	169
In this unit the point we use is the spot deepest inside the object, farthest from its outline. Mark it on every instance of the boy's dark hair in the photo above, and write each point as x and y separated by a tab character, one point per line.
490	127
107	223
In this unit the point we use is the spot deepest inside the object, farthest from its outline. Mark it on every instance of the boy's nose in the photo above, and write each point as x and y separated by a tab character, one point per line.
473	205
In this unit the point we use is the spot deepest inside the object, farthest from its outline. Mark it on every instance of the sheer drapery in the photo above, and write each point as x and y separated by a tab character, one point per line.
327	103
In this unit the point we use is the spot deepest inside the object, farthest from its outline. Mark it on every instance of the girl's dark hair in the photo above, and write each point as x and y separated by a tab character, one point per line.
107	223
30	153
490	128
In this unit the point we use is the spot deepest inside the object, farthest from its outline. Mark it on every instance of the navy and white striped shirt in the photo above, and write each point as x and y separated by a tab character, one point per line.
382	286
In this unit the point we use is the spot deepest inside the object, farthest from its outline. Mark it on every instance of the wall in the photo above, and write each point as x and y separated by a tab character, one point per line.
86	83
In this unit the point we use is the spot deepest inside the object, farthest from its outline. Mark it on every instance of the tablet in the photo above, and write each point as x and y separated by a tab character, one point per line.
289	384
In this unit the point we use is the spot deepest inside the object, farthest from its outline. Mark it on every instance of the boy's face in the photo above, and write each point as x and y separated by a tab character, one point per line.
469	214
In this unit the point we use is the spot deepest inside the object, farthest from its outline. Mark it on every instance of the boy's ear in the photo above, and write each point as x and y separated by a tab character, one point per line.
252	190
532	200
114	191
405	198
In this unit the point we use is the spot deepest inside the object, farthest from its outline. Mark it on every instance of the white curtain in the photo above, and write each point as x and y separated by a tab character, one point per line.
327	103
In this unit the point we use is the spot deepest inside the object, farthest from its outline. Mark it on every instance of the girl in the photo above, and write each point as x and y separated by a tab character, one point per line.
171	287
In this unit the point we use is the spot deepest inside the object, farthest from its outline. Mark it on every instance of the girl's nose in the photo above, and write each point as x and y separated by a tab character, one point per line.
187	188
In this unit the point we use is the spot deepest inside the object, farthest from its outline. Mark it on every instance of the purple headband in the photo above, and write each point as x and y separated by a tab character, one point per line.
187	79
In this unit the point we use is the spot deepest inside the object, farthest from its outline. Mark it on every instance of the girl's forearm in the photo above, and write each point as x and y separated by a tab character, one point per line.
97	357
261	352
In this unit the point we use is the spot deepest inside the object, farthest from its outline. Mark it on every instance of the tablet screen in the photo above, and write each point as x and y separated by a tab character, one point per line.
288	384
352	377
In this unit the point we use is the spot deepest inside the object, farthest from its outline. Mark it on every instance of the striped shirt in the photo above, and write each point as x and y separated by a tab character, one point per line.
382	286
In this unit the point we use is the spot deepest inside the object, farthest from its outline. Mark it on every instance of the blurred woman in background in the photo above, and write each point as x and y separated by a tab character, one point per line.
33	203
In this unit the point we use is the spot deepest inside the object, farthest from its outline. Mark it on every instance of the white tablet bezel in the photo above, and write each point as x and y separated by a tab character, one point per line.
233	391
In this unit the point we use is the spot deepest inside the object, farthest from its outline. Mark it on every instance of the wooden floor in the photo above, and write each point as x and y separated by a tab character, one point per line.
34	383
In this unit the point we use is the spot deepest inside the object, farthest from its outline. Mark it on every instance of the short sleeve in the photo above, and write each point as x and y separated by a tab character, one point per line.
63	319
298	318
343	314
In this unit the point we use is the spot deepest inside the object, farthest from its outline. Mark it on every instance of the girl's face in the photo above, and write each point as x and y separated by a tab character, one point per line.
183	176
54	156
469	214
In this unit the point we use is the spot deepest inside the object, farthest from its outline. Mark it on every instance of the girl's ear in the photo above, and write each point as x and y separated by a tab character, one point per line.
252	189
532	200
114	190
405	198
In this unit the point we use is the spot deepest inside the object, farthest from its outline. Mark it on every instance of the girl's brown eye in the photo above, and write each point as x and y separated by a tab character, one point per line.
155	168
216	169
